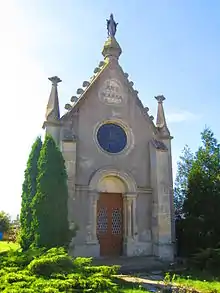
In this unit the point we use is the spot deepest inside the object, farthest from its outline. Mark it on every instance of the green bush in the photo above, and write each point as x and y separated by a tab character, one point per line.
20	290
207	259
81	262
18	258
84	265
18	277
47	265
103	270
53	271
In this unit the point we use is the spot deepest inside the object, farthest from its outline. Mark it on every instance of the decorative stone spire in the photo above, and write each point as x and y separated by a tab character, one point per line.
112	49
53	110
52	123
161	120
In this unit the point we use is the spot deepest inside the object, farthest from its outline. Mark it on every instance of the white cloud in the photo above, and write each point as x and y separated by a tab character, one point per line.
181	116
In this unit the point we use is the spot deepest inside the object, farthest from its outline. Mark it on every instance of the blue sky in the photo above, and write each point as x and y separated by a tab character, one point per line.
169	47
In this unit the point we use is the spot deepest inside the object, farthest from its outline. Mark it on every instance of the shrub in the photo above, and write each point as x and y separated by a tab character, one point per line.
208	258
80	262
102	270
47	265
14	277
53	271
55	251
18	258
96	283
19	290
84	265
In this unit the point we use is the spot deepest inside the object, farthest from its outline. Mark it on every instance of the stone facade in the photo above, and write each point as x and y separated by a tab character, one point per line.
141	171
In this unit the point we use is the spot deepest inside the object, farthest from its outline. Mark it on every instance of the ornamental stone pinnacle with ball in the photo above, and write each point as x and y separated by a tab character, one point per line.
74	99
101	63
96	70
68	107
80	91
86	83
146	109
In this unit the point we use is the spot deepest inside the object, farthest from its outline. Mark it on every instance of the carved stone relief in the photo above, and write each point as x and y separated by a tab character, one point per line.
111	92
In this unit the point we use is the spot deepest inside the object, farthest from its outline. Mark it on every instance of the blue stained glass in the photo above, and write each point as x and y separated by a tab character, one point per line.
112	138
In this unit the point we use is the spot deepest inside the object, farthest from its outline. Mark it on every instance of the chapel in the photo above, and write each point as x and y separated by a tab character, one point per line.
118	162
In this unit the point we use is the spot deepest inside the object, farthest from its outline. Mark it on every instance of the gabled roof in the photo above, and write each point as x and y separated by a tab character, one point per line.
111	52
82	97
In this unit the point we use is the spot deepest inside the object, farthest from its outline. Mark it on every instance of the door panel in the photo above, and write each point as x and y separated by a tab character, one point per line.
110	224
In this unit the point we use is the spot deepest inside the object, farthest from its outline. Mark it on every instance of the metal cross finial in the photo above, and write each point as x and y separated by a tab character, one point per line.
55	80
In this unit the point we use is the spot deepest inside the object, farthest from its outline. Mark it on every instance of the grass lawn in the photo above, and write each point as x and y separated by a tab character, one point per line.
201	286
203	282
4	246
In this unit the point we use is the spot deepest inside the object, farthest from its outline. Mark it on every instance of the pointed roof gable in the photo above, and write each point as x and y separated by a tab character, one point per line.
111	52
84	95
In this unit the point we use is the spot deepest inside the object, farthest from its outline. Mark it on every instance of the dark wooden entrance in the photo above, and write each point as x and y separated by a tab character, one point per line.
110	224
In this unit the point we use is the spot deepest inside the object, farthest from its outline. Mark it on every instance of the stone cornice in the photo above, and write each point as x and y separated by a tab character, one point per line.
82	187
51	123
147	190
140	190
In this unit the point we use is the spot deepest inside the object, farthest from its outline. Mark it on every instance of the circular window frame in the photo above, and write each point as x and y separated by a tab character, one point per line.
124	126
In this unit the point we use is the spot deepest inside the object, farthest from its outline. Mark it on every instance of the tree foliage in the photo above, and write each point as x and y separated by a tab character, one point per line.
50	203
201	207
184	166
5	222
28	192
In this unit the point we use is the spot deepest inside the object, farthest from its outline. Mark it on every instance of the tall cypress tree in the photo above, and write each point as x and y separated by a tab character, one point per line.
50	203
28	192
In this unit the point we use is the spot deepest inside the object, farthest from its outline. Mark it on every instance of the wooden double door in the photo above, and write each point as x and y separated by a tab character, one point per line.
110	224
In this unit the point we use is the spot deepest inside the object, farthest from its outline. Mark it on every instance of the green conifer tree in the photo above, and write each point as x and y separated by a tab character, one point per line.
184	166
28	192
202	203
50	203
